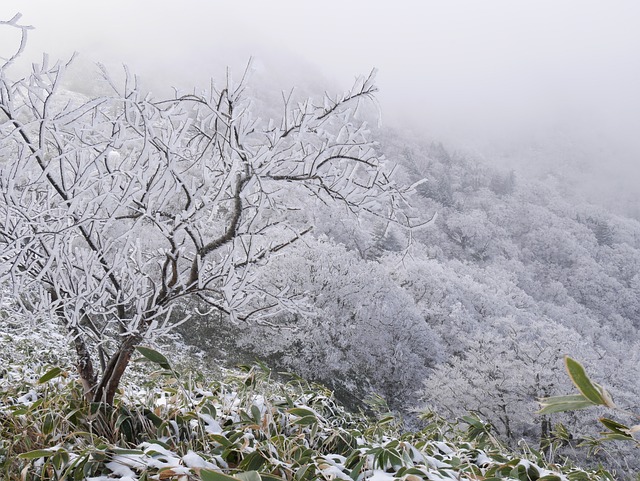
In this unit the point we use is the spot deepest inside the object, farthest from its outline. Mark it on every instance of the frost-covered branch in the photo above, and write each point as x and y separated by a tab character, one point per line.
117	208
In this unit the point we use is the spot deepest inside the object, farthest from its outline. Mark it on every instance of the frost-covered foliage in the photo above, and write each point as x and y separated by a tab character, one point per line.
244	426
122	208
496	290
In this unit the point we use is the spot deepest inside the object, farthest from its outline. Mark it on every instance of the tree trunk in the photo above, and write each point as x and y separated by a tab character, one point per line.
84	364
85	367
545	436
106	389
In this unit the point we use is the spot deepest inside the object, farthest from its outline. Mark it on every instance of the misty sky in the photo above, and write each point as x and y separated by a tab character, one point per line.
496	76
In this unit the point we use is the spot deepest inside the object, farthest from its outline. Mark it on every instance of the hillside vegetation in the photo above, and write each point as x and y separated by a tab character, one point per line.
176	424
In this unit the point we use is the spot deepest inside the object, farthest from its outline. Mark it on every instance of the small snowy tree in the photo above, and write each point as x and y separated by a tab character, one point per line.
116	208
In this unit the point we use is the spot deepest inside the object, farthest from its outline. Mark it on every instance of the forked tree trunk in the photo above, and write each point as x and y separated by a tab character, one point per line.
104	388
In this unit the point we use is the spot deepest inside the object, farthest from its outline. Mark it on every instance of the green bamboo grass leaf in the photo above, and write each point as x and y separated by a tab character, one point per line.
50	374
611	436
208	475
301	412
617	431
615	426
270	477
357	469
154	356
558	404
38	453
251	463
593	392
257	415
306	421
249	476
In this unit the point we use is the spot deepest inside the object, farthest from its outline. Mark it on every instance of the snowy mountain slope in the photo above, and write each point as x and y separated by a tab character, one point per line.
512	274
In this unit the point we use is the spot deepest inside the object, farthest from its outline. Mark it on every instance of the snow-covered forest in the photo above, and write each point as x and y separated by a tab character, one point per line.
473	312
431	286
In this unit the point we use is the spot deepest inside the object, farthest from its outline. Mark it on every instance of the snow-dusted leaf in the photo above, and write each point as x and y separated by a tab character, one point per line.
52	373
249	476
564	403
593	392
209	475
37	454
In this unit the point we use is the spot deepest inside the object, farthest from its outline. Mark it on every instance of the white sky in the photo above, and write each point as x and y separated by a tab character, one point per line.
496	72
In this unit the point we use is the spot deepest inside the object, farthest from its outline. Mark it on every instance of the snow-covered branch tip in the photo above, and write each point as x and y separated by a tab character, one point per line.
13	22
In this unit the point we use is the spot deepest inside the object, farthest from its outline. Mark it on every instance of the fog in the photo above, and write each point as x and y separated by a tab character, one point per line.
528	85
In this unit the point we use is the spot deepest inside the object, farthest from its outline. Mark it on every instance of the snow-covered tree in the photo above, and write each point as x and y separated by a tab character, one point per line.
116	208
362	332
502	372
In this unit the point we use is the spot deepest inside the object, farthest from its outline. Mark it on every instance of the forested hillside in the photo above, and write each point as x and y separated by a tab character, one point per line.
471	312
